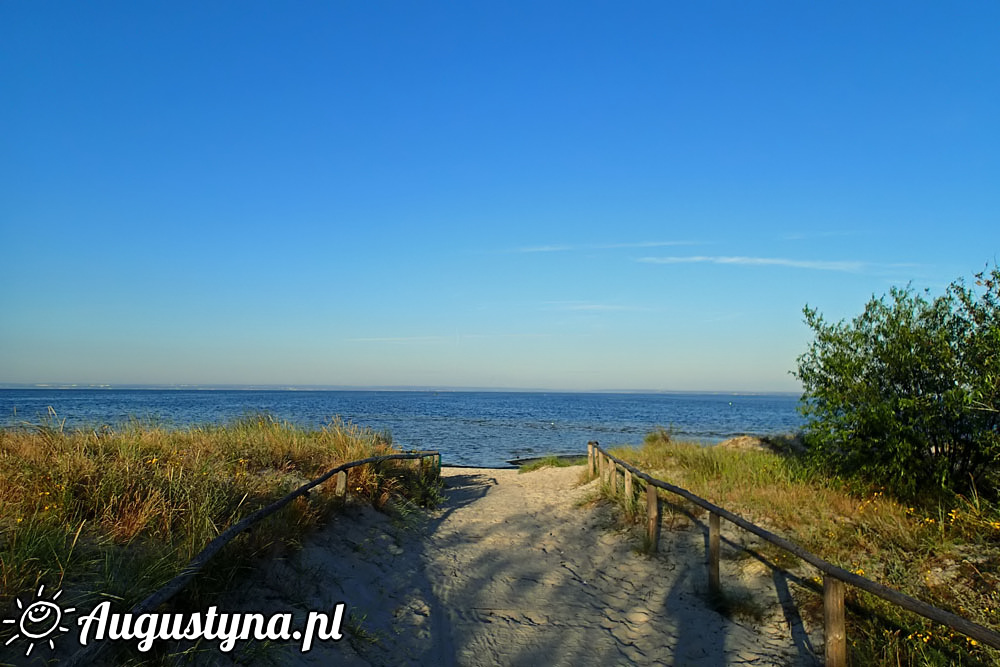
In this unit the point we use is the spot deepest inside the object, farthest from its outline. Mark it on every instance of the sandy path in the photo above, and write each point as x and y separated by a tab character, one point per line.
512	570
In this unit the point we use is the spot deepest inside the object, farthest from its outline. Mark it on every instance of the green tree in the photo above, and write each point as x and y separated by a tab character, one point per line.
907	395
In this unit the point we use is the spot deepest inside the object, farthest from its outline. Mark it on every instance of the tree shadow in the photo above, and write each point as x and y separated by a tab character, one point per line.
567	590
542	582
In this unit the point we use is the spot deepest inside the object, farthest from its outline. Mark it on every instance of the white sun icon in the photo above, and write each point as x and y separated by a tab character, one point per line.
39	620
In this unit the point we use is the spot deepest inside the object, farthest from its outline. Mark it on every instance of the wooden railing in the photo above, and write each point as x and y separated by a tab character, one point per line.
607	466
89	654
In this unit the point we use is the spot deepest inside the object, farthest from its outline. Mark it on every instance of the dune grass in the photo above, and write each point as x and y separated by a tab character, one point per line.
945	552
117	512
553	461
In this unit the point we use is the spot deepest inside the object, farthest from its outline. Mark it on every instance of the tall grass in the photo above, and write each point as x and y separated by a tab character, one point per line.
945	552
117	512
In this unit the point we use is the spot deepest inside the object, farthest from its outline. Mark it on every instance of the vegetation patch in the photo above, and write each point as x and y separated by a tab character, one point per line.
944	550
553	462
906	396
117	512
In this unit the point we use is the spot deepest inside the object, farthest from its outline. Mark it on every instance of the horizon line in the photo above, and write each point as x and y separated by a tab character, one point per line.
397	388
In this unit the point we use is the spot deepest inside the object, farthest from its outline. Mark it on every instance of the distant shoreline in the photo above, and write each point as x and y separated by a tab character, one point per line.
58	386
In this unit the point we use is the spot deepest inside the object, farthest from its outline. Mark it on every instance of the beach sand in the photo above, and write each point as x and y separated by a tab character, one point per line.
518	569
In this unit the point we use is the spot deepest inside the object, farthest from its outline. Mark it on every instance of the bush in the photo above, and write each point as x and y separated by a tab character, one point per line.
907	395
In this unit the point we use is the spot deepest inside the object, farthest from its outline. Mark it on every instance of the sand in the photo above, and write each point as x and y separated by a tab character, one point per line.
517	569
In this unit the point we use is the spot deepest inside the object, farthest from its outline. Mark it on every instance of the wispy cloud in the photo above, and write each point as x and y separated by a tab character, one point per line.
398	339
603	246
546	248
642	244
803	236
818	265
583	306
506	335
443	339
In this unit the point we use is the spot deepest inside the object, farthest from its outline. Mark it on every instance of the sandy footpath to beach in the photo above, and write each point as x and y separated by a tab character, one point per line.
514	570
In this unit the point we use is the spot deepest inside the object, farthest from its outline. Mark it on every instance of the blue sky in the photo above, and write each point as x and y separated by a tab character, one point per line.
571	195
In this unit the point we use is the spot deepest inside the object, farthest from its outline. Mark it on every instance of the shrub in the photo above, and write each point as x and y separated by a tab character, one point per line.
905	396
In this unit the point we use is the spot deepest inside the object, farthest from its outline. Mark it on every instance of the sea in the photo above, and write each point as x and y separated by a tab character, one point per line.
472	428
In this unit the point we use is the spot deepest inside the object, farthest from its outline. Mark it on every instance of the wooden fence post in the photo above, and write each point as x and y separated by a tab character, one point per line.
629	493
653	517
834	630
341	488
591	468
713	554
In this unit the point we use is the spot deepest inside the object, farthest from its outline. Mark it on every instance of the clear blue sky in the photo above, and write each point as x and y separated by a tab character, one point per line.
572	195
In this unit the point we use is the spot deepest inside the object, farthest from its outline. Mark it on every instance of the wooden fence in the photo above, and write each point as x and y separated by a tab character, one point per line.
89	654
835	578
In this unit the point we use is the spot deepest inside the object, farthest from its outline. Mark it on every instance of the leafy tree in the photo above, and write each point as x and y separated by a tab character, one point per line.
907	395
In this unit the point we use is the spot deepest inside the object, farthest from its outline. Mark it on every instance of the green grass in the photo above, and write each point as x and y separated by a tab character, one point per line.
117	512
946	552
553	462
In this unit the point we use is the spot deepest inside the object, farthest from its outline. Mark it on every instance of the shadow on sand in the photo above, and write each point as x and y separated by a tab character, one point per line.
516	570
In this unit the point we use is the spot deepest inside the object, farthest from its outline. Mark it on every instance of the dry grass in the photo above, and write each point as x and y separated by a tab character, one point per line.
118	512
945	554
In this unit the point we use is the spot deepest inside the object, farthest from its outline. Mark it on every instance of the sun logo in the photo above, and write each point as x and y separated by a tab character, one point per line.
39	620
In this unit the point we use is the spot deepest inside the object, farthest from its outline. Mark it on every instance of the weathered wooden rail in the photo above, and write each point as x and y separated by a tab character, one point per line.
89	654
607	467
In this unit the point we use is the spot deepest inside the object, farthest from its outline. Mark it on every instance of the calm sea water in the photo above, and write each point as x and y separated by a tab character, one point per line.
468	428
